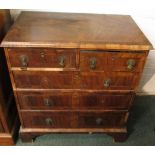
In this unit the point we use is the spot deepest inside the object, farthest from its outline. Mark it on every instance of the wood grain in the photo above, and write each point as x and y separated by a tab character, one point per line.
67	30
43	58
95	86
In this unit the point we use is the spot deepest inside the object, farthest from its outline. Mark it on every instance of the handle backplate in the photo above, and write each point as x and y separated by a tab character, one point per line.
24	61
107	83
99	121
92	63
61	61
48	102
131	64
49	121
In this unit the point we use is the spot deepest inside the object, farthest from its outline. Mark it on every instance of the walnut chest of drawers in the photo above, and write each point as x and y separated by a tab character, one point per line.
74	72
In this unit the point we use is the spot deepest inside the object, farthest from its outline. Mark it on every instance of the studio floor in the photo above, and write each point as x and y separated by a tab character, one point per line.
141	129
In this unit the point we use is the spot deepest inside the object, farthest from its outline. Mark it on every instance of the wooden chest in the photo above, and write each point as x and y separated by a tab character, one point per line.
9	122
74	72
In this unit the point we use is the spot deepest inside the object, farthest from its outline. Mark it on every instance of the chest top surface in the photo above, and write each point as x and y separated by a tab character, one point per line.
70	30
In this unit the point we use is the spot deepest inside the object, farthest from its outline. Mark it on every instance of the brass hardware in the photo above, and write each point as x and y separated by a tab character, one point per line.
42	54
77	75
48	102
99	121
49	121
61	61
24	61
107	83
131	64
92	63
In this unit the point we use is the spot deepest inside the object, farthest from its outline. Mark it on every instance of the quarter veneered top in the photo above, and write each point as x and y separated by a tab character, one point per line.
70	30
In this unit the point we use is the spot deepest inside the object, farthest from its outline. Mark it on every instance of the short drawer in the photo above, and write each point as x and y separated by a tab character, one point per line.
46	119
43	80
40	57
126	61
102	119
44	100
109	80
112	61
1	127
106	101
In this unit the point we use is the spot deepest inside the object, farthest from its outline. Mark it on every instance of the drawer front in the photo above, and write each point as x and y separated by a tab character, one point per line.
93	61
109	81
46	119
50	58
125	61
102	119
112	61
44	100
1	127
106	101
43	80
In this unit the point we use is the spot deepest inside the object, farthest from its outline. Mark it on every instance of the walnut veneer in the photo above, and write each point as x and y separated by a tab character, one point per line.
74	72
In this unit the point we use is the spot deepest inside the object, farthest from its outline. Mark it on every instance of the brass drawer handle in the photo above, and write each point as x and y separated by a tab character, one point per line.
24	61
107	83
99	121
92	63
131	64
49	121
48	102
62	61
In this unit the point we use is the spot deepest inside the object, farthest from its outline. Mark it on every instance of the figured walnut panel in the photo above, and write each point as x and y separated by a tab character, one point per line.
118	61
102	119
45	100
43	58
97	60
116	80
105	101
44	80
100	60
46	119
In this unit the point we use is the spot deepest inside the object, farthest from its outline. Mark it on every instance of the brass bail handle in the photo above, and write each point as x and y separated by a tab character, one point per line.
93	62
131	64
62	61
107	83
24	60
99	121
49	121
48	102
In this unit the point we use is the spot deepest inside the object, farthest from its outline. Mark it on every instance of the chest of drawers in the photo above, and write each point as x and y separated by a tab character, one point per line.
74	72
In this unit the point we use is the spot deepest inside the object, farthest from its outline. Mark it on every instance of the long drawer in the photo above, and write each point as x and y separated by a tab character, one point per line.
76	80
42	58
74	120
46	100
